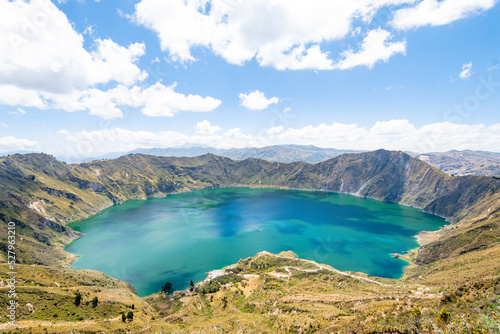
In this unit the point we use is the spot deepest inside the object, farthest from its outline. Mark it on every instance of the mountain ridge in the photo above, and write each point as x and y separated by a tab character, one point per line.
51	192
41	194
278	153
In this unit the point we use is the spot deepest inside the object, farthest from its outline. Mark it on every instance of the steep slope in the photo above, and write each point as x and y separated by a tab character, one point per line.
41	194
456	270
271	293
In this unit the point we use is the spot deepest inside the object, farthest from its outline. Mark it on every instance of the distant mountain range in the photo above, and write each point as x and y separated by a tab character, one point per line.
464	162
458	163
278	153
453	162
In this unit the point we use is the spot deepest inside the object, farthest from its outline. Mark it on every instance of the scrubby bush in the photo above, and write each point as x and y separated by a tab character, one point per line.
443	317
78	298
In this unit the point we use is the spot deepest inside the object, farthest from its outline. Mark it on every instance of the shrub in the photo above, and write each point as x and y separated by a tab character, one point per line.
443	316
416	312
224	302
78	298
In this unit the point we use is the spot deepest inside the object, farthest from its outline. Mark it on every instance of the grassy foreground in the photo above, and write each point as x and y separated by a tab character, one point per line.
270	293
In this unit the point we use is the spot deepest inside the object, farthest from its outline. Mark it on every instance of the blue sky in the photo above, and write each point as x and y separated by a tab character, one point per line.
80	79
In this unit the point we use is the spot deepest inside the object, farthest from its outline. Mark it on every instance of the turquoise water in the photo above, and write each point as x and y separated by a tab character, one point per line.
181	237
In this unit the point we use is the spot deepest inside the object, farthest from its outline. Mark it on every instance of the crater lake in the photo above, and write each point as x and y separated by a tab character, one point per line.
181	237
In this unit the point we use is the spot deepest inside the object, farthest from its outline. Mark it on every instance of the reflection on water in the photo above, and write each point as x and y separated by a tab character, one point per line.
183	236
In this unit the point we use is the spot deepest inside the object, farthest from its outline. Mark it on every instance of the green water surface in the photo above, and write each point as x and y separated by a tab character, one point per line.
181	237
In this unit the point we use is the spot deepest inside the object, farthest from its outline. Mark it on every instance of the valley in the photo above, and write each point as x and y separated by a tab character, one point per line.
454	274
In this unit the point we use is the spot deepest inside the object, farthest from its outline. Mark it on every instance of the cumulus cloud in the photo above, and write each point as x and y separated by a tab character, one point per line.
293	34
256	100
160	100
11	144
437	13
43	64
14	96
374	48
155	100
466	71
205	128
39	49
392	134
399	127
99	104
283	34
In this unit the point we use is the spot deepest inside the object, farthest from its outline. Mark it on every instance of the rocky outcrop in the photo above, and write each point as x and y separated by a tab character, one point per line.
85	184
60	193
383	175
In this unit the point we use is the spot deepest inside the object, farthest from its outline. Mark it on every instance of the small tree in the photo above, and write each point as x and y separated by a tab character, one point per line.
78	298
124	318
224	302
95	300
130	316
191	286
167	289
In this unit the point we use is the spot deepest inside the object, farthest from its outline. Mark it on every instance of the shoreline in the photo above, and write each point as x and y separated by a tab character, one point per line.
418	236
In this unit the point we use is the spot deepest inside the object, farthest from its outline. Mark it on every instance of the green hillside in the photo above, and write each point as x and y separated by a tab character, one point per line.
41	194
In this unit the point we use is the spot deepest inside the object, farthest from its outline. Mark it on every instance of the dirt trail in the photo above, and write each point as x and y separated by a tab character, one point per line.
320	267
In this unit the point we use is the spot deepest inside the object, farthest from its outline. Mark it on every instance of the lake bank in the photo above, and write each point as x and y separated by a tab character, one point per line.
318	226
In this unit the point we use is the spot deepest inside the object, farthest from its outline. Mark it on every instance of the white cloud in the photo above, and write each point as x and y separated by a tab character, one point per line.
14	96
275	130
99	104
205	128
436	13
297	58
39	49
392	134
466	71
92	143
4	125
18	112
12	144
292	34
374	48
112	62
398	127
397	135
43	64
155	100
256	100
284	34
160	100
